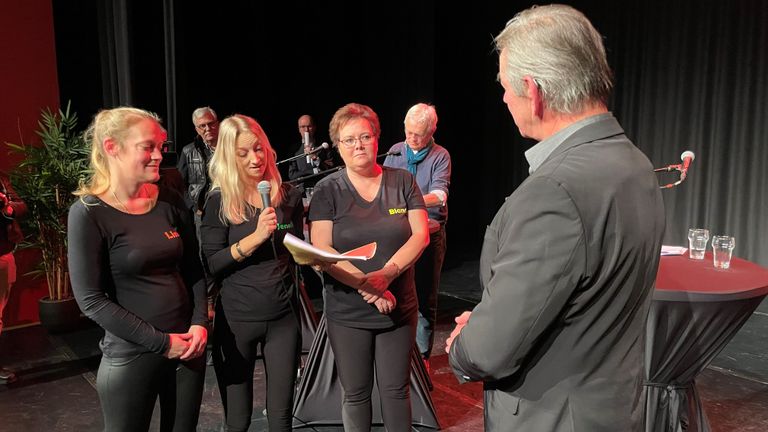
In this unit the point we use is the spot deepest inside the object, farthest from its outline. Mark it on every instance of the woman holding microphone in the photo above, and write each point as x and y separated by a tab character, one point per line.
241	237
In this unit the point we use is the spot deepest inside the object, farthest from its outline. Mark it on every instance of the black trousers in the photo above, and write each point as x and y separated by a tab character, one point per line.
427	269
128	388
356	351
234	358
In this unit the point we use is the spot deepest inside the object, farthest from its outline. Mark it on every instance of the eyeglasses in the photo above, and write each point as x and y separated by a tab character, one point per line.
351	141
210	125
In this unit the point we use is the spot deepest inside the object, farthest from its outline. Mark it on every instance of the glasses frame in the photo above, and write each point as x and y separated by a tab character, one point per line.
351	142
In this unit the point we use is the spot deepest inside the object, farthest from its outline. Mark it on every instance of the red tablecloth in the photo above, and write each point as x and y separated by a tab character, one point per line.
683	279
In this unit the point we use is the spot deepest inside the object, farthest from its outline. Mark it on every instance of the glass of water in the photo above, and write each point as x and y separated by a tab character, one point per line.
697	243
722	250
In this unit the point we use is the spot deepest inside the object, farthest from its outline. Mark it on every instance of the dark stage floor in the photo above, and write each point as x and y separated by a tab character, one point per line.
55	390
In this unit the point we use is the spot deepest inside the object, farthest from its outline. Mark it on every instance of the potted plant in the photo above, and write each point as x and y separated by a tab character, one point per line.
45	180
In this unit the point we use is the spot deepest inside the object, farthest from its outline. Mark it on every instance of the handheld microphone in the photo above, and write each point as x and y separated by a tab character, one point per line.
264	188
687	157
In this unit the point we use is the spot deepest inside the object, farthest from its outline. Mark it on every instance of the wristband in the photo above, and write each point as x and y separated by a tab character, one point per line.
397	268
240	251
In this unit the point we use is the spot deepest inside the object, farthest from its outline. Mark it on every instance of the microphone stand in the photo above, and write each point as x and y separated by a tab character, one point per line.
299	180
330	170
299	156
670	168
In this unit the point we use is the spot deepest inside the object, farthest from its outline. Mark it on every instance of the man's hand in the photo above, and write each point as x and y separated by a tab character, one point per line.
461	321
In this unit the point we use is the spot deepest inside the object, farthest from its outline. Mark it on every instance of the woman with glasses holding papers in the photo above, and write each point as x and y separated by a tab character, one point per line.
370	306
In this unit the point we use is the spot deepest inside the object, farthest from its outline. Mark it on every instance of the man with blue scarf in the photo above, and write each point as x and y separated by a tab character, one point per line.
430	164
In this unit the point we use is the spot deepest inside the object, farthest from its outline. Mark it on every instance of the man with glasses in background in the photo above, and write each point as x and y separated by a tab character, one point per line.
194	158
193	167
430	164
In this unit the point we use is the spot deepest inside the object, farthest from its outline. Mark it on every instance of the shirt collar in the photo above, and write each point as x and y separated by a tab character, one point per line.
537	154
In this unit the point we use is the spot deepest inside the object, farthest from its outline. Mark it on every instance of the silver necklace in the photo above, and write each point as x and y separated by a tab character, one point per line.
125	207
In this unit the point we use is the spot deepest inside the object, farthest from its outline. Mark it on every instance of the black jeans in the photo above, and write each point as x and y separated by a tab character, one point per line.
128	388
427	277
355	352
234	358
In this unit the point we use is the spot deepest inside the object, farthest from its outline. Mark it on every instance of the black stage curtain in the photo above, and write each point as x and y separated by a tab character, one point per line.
689	75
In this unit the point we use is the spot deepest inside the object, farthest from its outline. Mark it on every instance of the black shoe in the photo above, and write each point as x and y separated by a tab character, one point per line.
7	376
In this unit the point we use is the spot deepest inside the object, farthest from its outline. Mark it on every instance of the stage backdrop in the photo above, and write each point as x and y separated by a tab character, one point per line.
689	75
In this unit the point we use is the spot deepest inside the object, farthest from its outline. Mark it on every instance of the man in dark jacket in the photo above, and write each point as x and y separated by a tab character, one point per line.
11	207
193	167
569	262
315	161
195	156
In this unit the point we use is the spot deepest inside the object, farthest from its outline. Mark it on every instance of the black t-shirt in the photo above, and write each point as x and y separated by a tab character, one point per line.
137	276
258	288
357	222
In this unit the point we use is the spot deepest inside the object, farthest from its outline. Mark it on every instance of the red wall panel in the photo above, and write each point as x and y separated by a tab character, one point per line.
28	83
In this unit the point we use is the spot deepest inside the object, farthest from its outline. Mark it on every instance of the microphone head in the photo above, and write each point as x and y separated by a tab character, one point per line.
687	154
324	145
264	187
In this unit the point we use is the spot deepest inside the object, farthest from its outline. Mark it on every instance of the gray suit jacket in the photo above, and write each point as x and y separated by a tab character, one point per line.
567	267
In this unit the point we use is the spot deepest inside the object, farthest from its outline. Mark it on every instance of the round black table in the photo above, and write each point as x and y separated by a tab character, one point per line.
696	310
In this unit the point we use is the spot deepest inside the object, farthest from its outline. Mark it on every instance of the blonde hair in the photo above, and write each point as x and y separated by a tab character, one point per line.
225	173
112	123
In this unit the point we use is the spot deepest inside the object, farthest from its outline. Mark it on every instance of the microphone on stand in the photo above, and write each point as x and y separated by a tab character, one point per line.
687	157
321	147
390	153
306	143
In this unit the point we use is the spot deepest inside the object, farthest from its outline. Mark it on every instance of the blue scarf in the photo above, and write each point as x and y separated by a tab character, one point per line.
414	159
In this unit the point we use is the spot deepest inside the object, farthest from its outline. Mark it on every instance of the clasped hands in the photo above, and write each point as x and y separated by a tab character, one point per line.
189	345
373	288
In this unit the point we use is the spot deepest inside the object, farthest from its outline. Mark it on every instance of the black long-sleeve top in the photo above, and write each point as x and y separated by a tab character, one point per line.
259	287
137	276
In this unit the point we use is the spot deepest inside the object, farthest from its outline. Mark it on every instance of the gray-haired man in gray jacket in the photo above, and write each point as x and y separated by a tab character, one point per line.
569	261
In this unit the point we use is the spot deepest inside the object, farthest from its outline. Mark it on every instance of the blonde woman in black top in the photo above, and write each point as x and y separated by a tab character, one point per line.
135	270
241	238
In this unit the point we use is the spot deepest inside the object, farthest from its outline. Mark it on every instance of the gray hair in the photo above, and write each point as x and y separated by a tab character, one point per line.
199	112
422	113
558	47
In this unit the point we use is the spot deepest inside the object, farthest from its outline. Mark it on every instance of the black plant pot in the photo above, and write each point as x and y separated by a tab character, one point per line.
59	316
